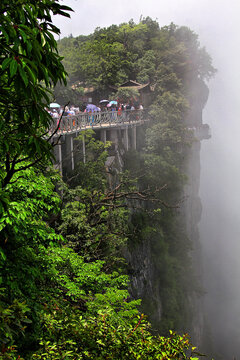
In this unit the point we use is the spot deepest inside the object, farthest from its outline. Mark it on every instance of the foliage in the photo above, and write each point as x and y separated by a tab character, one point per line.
92	226
37	269
90	172
23	229
29	63
70	306
126	94
146	66
93	223
112	55
13	320
97	338
64	95
88	286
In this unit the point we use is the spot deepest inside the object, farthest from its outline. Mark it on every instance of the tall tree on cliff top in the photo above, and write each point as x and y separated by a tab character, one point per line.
29	64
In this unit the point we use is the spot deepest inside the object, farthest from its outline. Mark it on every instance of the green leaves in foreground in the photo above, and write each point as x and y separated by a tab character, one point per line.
29	66
56	305
97	338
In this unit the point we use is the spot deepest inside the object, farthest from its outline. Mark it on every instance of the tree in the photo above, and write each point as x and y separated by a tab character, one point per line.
29	66
146	67
24	238
127	94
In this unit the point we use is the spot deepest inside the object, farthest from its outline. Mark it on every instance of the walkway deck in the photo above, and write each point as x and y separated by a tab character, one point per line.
100	120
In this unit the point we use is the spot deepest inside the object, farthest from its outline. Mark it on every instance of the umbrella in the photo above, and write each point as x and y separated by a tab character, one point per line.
91	107
103	101
113	102
54	105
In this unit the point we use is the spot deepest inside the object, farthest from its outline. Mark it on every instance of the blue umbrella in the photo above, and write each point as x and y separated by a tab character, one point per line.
91	107
113	102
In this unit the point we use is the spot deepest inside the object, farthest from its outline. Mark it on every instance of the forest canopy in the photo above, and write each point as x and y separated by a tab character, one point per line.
139	52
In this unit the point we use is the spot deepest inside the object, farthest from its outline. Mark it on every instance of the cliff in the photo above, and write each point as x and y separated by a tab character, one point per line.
151	257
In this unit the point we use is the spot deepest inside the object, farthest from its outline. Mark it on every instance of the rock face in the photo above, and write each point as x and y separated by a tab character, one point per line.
145	282
192	214
198	97
193	208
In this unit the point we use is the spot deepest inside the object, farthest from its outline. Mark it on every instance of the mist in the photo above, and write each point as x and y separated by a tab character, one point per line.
220	195
216	23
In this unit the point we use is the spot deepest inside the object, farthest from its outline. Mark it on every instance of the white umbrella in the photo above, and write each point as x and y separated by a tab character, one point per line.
103	101
54	105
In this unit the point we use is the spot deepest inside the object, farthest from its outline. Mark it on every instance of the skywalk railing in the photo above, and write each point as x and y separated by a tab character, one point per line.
74	123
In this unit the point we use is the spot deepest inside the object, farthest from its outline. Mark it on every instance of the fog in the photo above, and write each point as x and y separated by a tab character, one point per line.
220	194
216	23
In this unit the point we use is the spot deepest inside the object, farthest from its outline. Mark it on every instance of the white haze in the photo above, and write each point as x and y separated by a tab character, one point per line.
217	24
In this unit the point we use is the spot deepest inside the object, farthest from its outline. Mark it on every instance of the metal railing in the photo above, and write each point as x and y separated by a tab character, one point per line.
73	123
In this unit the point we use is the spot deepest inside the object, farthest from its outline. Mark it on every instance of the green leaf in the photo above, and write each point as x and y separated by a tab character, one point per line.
43	40
2	254
5	63
31	74
4	33
13	67
23	75
23	34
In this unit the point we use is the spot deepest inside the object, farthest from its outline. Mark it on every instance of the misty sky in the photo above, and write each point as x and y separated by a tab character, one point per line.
210	18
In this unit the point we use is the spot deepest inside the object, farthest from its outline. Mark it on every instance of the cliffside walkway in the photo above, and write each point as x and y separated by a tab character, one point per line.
97	120
118	127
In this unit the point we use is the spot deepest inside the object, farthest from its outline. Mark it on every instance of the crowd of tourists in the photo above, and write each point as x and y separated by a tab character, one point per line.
112	106
56	112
